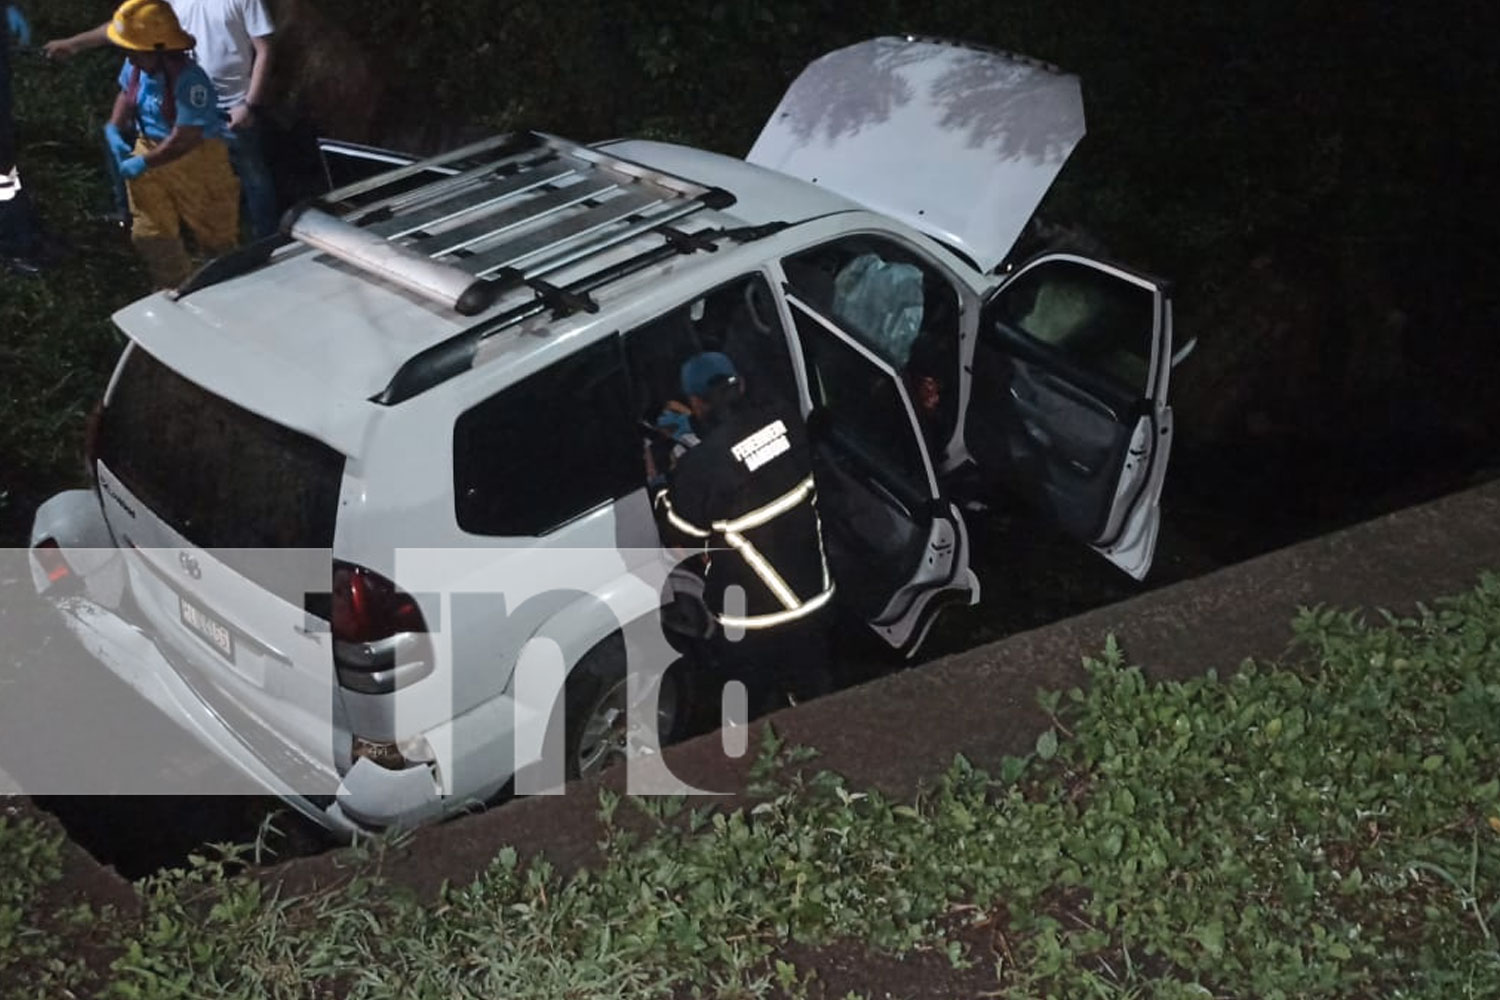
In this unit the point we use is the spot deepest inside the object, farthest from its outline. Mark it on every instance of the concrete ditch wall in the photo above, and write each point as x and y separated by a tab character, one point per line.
897	732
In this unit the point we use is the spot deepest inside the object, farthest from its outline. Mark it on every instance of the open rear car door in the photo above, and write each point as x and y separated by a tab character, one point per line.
1068	400
897	549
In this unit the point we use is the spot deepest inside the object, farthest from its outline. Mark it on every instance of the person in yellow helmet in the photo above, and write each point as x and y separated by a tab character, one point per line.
176	170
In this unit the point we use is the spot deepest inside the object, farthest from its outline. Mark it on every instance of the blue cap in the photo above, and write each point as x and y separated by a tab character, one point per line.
701	371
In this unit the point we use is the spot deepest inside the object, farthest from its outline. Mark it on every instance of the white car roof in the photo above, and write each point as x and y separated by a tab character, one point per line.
307	340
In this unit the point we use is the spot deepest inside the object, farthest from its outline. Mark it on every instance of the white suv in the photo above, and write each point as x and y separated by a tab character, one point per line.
458	355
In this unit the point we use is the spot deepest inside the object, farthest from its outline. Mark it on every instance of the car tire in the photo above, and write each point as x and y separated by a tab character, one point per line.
594	710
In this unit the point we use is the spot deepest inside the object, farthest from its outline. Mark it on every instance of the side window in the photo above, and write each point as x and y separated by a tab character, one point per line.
1096	321
864	409
738	318
549	448
899	306
885	295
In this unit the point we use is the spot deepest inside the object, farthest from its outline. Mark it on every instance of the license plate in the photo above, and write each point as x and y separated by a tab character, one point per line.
207	628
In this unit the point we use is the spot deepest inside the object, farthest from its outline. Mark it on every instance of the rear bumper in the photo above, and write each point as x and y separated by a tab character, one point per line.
135	658
367	799
94	605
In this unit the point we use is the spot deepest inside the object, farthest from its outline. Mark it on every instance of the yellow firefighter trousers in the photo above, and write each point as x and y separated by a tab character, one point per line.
198	189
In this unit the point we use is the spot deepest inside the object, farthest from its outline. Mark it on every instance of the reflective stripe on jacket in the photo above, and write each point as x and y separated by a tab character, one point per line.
747	492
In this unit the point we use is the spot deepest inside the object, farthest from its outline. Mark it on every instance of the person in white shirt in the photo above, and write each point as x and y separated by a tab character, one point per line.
234	48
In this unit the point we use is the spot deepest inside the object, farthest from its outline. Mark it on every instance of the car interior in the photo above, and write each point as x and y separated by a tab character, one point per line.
873	483
874	495
838	280
737	318
1060	373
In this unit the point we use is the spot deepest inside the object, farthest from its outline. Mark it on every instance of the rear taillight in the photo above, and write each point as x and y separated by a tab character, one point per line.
49	556
91	438
379	633
367	607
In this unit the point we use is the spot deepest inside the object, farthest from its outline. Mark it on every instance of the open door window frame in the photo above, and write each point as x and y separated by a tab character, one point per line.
1130	530
923	597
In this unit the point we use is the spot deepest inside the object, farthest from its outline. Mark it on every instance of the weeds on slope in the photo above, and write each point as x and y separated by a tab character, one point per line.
1332	831
36	928
57	344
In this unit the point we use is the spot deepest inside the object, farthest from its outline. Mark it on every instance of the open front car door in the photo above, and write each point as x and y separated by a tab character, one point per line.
1068	400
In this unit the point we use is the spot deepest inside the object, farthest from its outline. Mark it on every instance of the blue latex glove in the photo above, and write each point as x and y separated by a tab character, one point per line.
117	143
132	167
679	425
20	30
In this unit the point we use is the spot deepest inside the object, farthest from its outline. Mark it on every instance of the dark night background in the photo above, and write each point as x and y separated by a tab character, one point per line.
1313	177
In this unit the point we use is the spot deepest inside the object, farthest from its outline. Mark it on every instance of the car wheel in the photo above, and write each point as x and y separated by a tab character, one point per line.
598	735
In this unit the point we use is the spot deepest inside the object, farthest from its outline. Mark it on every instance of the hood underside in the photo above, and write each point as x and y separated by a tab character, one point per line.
956	141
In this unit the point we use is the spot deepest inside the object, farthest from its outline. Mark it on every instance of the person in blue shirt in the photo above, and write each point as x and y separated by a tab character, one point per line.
176	169
234	48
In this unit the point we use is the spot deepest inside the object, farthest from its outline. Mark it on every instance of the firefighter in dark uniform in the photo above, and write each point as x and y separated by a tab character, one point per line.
743	495
20	235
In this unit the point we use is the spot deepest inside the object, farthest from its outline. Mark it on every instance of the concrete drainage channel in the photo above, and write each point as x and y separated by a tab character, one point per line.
140	835
979	702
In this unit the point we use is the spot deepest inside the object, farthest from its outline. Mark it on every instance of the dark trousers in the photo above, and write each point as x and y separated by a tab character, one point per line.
7	126
795	659
19	235
247	156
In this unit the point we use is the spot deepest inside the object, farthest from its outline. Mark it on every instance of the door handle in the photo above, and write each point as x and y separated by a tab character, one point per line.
1036	434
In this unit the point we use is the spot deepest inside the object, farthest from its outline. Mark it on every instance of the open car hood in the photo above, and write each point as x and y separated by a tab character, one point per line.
957	141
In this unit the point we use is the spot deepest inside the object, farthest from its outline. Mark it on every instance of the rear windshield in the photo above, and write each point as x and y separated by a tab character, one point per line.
218	474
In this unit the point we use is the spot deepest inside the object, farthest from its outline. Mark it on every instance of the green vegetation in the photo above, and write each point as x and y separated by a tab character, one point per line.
1307	174
1328	831
35	929
57	345
31	855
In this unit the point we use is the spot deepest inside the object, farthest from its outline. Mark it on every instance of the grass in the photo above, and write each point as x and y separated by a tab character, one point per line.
1326	831
32	862
57	345
38	931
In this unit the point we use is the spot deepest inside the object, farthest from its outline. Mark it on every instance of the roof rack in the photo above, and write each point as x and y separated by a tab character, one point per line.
509	211
447	358
502	214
